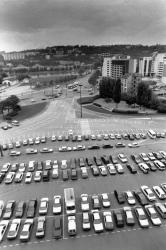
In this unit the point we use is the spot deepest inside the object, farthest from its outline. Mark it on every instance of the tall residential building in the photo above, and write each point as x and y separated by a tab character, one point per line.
129	82
117	66
158	61
145	66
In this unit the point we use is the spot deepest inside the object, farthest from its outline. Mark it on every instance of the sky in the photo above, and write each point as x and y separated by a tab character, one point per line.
27	24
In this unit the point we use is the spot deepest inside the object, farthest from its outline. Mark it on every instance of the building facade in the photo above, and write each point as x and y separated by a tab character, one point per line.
145	64
129	82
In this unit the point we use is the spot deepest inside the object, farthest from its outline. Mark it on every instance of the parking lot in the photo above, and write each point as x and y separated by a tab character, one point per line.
126	237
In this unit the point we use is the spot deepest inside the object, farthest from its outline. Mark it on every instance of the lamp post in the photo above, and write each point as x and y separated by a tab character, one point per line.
80	98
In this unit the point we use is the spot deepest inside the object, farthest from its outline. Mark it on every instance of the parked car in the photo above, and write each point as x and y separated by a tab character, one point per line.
141	216
159	165
18	177
26	230
122	158
130	198
108	220
119	168
13	229
156	221
95	202
129	217
57	204
161	209
131	168
86	221
57	228
20	208
148	193
3	227
28	177
159	192
41	227
84	172
72	227
97	221
105	200
119	220
119	196
9	177
9	209
43	207
31	208
84	202
144	167
140	197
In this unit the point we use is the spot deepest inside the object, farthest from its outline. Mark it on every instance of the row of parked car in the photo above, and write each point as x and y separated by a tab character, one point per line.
80	138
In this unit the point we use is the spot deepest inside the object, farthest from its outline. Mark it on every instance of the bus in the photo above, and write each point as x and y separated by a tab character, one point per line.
70	201
152	134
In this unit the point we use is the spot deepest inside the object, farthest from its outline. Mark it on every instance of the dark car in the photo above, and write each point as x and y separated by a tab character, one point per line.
40	166
120	145
89	161
119	196
9	209
141	197
31	208
81	162
107	146
97	161
113	159
119	220
86	137
2	176
131	168
151	166
74	138
65	175
66	138
136	159
157	155
94	147
131	137
20	209
95	170
46	175
105	159
74	174
57	227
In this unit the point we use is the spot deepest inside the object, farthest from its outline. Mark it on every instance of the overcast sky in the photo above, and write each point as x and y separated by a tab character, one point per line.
39	23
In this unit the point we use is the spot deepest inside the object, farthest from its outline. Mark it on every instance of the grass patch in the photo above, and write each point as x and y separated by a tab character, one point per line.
29	111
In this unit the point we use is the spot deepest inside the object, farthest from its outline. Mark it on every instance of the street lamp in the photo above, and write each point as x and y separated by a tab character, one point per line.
80	85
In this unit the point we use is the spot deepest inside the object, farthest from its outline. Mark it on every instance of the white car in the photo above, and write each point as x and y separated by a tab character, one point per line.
13	229
129	216
9	177
31	166
28	177
103	170
41	225
153	215
53	138
86	221
37	140
31	141
31	151
79	138
85	202
141	216
97	221
1	207
22	167
15	153
3	227
144	167
119	168
144	157
43	207
105	200
46	150
25	142
55	173
108	220
37	176
111	169
5	167
122	158
63	164
10	146
160	165
148	193
133	145
93	137
18	177
26	230
151	156
159	192
18	144
57	204
72	228
130	198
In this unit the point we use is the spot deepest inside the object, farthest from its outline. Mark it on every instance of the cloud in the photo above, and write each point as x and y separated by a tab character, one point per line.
75	20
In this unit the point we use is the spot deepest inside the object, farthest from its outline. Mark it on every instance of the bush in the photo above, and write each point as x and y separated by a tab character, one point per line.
162	108
122	111
8	117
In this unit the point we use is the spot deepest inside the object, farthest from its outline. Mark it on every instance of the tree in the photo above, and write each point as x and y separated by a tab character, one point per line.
93	78
117	92
144	94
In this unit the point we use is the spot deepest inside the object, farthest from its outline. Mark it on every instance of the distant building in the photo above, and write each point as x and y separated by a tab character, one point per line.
2	61
145	64
129	82
117	66
158	61
14	56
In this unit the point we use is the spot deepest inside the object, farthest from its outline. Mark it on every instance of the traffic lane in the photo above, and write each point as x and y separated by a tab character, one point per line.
90	186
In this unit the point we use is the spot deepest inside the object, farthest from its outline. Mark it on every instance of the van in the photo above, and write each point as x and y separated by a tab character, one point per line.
72	225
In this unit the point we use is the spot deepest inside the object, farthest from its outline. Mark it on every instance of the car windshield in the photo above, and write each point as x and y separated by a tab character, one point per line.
129	214
26	228
141	214
40	226
43	204
57	201
108	218
153	212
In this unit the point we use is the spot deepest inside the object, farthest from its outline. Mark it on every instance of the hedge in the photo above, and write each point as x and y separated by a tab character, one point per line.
87	99
123	111
162	108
